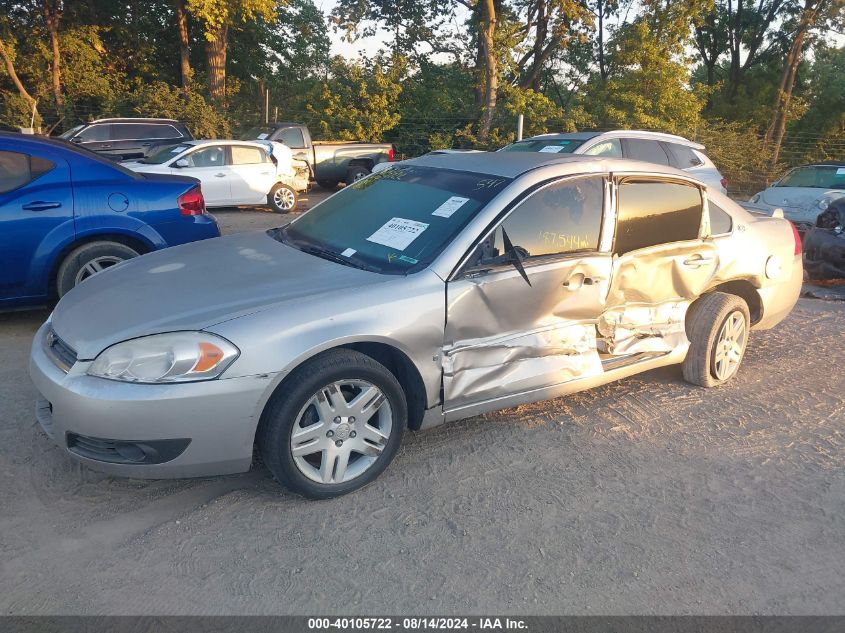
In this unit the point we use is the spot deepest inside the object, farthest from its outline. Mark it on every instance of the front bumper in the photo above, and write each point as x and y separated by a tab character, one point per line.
218	417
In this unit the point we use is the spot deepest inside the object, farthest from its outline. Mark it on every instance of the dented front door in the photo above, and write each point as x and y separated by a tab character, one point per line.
507	335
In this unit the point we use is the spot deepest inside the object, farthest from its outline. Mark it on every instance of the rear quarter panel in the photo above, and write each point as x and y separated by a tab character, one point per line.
744	253
332	159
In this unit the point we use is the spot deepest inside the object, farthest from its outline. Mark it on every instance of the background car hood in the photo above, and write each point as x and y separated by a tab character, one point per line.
194	286
145	168
798	196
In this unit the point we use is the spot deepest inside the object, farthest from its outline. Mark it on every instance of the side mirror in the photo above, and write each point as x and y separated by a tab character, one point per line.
76	139
182	162
515	255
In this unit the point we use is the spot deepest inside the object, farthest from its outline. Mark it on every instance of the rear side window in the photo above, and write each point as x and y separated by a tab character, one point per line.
653	212
561	218
242	155
610	147
684	156
17	170
646	150
720	221
292	137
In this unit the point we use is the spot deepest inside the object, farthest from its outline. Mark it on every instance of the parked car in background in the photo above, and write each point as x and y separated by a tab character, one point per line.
824	243
803	192
330	162
652	147
121	139
233	173
67	214
464	283
434	152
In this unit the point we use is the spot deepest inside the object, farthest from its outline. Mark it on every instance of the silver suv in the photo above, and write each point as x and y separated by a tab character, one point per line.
652	147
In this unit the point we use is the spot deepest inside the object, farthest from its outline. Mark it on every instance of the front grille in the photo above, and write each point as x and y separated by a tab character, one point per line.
60	352
124	451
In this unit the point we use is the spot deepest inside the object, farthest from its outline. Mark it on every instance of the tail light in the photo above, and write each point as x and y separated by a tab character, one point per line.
724	183
797	237
191	202
391	154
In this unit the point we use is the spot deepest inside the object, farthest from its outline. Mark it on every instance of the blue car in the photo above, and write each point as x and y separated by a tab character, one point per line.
67	214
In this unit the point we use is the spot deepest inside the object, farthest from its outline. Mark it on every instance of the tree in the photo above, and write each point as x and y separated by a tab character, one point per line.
811	11
52	11
9	63
184	43
217	16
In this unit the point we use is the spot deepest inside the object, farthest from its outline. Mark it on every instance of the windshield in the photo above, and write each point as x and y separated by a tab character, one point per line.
259	133
71	132
818	176
395	221
548	145
164	154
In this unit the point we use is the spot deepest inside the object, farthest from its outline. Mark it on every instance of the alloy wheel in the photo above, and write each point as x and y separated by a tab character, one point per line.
341	431
96	265
730	345
284	198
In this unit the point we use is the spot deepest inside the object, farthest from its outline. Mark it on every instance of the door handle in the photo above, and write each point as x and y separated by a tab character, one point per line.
696	261
145	144
39	205
219	175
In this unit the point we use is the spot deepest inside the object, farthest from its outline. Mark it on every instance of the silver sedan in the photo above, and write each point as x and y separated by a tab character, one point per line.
439	289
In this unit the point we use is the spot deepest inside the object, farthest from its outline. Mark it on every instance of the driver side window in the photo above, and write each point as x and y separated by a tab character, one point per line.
208	157
563	217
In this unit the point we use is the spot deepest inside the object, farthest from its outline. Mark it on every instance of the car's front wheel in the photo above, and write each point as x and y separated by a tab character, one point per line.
88	260
282	198
334	426
717	326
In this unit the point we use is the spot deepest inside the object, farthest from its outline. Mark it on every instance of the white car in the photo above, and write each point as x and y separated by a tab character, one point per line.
233	173
651	147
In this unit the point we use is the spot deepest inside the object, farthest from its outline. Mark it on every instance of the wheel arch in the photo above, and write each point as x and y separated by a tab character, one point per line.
135	242
395	360
367	163
746	291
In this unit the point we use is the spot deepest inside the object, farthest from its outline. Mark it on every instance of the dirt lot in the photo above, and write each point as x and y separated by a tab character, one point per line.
647	496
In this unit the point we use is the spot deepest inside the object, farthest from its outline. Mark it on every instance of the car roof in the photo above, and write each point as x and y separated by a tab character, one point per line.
37	139
133	120
644	134
221	141
514	164
826	163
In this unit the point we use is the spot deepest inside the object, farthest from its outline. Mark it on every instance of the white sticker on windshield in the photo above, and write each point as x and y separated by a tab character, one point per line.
349	252
840	171
551	149
449	207
179	149
398	233
262	136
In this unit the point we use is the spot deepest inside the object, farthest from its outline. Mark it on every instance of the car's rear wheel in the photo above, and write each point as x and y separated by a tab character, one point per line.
88	260
356	173
282	198
335	426
717	326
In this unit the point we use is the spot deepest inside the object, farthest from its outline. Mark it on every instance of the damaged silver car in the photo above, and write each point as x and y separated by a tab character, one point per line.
439	289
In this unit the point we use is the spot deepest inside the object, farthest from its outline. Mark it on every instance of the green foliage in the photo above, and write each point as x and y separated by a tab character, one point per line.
158	99
649	87
357	102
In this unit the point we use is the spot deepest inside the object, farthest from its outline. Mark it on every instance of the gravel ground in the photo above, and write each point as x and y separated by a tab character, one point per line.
645	496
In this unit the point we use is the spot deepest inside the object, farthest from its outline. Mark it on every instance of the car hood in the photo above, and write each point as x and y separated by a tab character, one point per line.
798	197
146	168
193	287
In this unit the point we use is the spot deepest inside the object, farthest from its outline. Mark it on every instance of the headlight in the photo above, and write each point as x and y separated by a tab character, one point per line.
824	203
755	198
163	358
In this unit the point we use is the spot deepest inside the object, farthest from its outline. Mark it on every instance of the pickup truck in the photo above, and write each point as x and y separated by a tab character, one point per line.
330	162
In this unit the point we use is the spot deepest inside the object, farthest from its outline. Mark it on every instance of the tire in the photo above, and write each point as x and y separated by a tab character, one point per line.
312	474
282	199
89	259
711	336
355	173
330	185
